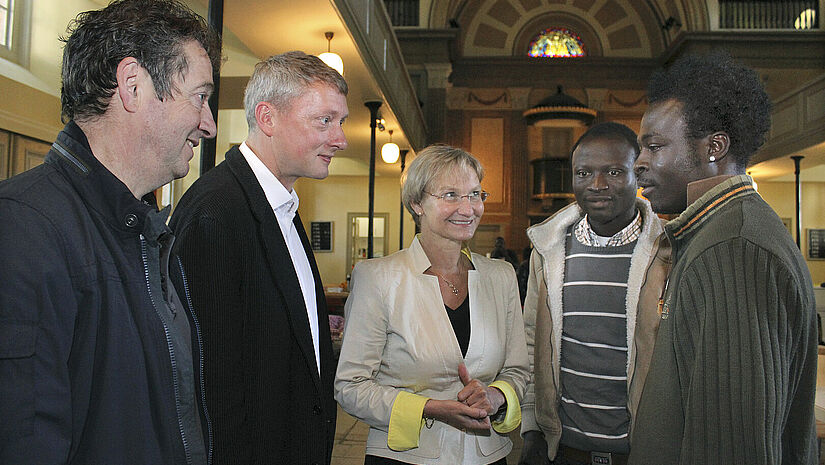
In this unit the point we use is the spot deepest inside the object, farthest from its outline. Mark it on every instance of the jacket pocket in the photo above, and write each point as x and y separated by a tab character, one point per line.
17	341
493	443
429	443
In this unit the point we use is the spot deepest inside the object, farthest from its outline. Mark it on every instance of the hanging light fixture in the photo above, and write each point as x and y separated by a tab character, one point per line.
560	110
390	151
333	60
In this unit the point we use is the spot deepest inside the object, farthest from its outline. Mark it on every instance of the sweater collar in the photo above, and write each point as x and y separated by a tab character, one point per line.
708	204
101	190
698	188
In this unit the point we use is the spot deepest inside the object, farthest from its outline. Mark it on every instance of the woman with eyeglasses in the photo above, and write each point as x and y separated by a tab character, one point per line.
434	357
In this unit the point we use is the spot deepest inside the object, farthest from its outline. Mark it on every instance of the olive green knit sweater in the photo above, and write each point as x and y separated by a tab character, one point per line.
733	375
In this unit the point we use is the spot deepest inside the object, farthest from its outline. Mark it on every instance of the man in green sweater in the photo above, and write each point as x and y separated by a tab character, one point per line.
733	374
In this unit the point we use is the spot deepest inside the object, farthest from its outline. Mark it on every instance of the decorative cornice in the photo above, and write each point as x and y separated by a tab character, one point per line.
757	48
613	99
595	72
473	97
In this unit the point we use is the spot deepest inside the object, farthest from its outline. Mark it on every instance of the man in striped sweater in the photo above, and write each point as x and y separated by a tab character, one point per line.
734	371
589	345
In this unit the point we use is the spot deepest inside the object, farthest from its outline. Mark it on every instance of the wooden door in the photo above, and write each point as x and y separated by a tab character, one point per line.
26	153
5	153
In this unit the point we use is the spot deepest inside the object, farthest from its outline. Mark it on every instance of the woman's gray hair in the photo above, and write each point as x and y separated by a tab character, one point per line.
281	78
428	165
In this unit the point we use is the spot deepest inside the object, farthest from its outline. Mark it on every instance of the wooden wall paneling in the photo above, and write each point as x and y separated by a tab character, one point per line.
505	144
485	238
520	182
5	153
454	132
435	110
27	153
487	144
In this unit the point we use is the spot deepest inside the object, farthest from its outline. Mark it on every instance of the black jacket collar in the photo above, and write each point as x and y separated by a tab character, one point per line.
100	189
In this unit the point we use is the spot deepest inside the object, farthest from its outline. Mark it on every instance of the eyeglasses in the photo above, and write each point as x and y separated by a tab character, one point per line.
452	197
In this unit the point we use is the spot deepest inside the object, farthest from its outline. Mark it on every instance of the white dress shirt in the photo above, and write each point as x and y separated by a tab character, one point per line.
285	205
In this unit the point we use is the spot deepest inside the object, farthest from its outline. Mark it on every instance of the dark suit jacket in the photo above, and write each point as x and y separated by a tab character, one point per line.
267	402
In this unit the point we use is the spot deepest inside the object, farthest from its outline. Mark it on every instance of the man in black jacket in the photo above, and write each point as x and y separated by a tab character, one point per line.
99	355
255	286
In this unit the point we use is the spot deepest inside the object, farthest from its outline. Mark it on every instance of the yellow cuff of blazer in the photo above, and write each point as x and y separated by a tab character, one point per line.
513	416
406	420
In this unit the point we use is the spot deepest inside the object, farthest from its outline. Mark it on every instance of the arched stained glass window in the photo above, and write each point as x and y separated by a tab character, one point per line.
556	42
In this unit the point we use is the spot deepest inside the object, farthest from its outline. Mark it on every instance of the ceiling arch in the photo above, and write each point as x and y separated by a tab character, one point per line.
692	14
499	27
505	21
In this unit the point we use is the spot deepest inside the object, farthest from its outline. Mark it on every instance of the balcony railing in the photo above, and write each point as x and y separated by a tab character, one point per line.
769	14
402	12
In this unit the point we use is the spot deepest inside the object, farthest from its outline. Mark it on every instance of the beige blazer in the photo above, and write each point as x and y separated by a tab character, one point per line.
398	337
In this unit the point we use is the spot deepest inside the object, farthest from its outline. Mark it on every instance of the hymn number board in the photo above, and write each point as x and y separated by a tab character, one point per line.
816	244
321	236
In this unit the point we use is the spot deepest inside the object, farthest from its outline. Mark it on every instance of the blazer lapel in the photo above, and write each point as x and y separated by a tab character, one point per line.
324	338
277	254
478	290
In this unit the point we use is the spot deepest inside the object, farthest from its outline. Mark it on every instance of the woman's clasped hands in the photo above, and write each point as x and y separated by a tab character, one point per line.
471	410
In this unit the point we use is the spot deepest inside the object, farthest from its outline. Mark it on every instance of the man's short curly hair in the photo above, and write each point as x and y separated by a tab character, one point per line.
717	94
152	31
609	130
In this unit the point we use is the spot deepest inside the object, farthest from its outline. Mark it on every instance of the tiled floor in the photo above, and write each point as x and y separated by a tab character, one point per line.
351	438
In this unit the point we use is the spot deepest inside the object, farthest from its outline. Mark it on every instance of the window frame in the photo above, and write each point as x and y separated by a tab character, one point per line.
20	24
564	31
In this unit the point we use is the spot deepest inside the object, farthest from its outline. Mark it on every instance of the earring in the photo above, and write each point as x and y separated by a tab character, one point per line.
712	159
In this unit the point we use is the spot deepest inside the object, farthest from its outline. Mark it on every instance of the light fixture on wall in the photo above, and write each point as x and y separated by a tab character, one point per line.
670	23
380	122
333	60
390	151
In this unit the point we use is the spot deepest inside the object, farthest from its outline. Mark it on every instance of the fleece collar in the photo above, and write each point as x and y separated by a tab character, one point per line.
548	239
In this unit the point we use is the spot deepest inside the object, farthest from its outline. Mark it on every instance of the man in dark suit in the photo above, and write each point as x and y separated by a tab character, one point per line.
253	280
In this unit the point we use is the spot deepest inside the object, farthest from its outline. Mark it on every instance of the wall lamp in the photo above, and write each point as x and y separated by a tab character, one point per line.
670	22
